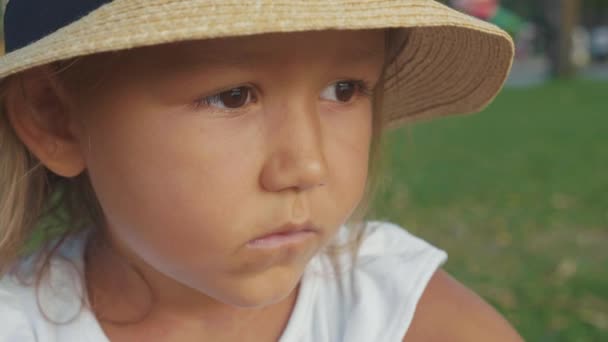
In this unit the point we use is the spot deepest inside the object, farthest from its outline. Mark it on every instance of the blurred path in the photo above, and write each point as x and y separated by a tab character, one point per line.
528	72
535	71
595	72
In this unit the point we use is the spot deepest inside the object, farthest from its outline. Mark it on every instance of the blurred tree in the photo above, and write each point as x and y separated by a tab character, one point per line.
560	19
556	20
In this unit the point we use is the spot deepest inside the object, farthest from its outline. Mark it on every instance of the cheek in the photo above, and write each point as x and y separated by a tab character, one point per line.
171	186
349	138
165	174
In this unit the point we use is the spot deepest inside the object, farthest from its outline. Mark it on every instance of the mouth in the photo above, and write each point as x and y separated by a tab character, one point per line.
286	235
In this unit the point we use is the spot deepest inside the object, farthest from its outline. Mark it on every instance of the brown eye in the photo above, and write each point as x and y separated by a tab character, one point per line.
235	98
231	99
345	91
342	91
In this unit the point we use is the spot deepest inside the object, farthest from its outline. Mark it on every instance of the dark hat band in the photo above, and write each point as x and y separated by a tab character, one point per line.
27	21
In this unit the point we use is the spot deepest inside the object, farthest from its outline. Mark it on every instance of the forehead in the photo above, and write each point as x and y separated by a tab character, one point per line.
244	52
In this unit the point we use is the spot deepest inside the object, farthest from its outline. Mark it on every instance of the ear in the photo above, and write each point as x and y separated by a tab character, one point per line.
39	110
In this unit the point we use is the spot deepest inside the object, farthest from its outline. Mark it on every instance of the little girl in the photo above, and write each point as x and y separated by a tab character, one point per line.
198	170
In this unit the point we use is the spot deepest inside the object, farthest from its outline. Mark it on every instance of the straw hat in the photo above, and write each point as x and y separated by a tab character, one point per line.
449	62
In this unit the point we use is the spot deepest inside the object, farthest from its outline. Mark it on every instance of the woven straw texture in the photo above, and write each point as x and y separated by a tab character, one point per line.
450	63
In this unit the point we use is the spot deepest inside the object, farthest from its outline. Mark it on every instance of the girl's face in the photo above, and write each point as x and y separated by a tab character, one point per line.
196	149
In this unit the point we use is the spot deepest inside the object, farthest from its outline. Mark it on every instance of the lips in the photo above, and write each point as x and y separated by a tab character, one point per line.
287	233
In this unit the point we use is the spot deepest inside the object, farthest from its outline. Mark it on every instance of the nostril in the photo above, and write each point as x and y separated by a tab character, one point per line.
300	176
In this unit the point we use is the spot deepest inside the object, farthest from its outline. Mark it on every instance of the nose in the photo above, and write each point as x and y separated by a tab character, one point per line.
296	159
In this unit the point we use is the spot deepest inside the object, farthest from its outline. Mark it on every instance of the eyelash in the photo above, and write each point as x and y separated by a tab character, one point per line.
362	89
209	101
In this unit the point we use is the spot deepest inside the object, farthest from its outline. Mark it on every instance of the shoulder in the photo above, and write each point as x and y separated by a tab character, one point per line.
448	311
30	304
388	240
418	296
388	276
16	325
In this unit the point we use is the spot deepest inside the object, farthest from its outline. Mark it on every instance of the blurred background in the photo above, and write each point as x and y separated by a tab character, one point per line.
518	195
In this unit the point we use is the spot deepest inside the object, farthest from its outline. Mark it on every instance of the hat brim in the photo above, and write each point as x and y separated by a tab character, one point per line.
450	64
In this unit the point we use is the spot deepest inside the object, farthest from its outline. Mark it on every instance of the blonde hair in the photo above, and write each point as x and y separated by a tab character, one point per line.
35	204
21	191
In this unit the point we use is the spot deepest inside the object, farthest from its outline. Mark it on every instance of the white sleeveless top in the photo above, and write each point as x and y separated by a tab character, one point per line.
372	300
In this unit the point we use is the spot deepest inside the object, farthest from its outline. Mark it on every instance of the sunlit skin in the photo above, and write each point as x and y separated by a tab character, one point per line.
185	182
194	149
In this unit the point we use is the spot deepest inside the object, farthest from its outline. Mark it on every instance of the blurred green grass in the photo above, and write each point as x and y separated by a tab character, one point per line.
518	196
